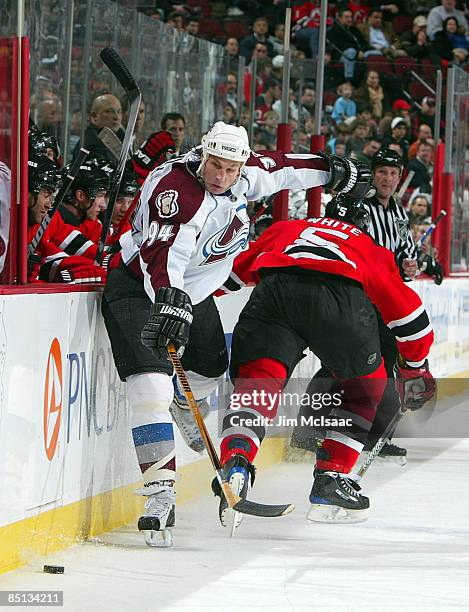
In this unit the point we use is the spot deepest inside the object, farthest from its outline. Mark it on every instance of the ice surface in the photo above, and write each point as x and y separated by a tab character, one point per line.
412	554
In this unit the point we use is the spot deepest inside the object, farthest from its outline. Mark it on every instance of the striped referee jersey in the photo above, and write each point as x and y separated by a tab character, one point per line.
389	227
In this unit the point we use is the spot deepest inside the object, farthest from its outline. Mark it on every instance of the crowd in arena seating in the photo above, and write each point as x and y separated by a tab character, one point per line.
380	70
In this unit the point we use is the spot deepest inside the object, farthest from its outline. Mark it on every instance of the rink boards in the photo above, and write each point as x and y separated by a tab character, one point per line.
67	463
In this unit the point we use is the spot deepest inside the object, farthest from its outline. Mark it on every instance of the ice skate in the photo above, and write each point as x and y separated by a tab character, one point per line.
184	419
159	513
336	498
240	476
394	453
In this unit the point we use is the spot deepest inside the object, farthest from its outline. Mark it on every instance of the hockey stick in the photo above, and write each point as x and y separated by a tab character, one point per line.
66	184
234	501
429	231
115	64
381	441
111	141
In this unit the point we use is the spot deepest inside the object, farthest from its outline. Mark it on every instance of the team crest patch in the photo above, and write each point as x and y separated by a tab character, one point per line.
402	227
167	203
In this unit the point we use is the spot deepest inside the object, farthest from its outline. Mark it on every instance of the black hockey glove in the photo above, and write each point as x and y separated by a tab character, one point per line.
431	267
415	386
170	321
349	176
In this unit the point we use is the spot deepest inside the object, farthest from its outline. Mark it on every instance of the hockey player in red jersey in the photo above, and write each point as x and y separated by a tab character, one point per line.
190	225
51	261
317	280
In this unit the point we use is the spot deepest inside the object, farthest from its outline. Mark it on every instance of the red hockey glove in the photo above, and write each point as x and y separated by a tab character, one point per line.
153	152
415	386
79	270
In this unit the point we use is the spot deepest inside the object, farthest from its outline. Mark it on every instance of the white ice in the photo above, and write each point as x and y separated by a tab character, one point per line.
412	554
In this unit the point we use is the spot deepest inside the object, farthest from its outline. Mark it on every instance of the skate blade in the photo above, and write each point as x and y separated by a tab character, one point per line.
159	539
324	513
229	517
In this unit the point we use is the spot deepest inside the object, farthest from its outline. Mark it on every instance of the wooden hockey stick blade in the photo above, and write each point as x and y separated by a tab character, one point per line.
234	501
111	141
66	184
405	184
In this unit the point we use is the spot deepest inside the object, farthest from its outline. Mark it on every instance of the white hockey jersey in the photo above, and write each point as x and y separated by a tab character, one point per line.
183	236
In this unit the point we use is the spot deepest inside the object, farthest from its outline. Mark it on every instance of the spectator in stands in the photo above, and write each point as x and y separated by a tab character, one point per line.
419	209
48	113
232	88
106	111
176	20
346	42
395	146
231	51
398	134
192	26
449	43
423	168
305	30
358	138
175	124
260	29
402	108
438	15
277	40
380	37
371	146
344	107
268	130
415	42
424	134
229	114
372	95
426	114
272	92
307	102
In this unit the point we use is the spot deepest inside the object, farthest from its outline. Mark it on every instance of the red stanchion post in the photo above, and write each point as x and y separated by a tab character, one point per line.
23	139
280	205
318	143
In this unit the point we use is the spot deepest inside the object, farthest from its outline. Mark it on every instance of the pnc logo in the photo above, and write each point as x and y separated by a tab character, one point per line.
53	394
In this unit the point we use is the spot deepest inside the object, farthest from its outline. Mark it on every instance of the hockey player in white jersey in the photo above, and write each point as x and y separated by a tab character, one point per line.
190	225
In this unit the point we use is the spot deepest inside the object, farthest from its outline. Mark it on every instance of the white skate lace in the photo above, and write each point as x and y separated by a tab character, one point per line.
347	481
160	503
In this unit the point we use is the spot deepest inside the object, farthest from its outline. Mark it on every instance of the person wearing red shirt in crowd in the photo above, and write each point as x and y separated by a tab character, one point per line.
306	17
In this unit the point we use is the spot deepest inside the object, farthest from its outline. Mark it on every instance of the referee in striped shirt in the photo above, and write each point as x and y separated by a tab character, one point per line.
389	221
389	227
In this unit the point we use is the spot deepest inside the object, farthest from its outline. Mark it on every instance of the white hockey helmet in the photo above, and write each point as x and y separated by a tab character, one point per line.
226	141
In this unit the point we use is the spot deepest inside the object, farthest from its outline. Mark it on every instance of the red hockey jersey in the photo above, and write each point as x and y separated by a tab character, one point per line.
334	247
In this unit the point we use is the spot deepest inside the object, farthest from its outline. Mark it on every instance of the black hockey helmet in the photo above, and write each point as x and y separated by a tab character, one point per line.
352	210
42	173
129	185
262	223
387	157
39	142
92	177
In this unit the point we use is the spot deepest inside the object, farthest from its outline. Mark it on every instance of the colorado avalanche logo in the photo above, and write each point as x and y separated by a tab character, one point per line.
229	239
167	203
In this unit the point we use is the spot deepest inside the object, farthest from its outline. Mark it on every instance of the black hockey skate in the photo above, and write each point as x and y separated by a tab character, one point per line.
240	476
159	513
336	498
394	452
